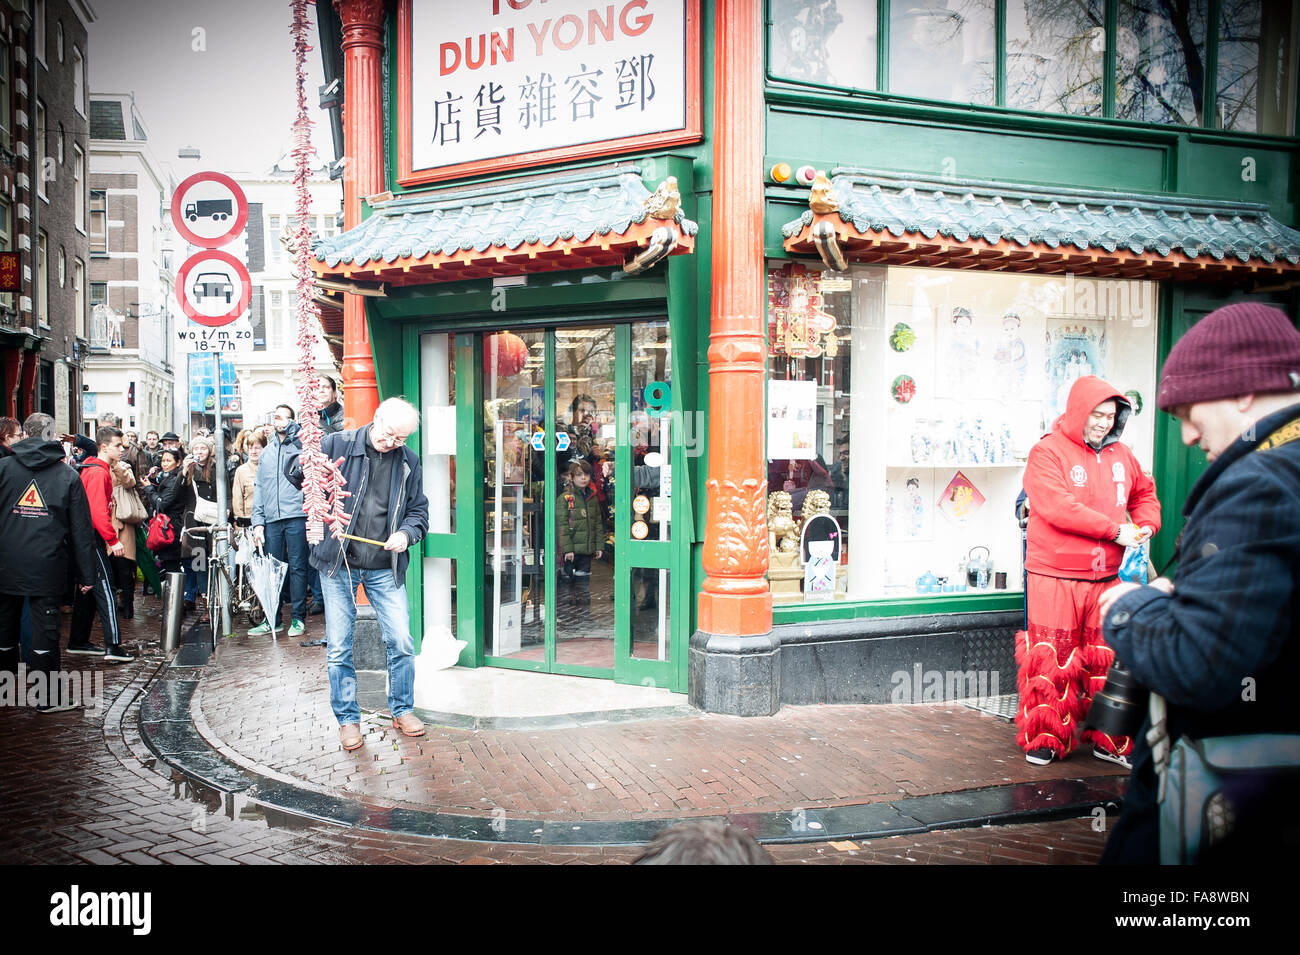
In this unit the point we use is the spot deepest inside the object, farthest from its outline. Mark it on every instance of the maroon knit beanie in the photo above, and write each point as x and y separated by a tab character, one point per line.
1241	349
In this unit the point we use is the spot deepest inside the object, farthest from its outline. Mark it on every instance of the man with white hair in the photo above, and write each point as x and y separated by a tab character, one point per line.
389	513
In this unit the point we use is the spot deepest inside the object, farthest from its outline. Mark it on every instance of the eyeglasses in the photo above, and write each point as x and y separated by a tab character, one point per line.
383	433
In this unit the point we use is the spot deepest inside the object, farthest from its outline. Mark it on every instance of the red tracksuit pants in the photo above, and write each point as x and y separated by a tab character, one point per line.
1061	661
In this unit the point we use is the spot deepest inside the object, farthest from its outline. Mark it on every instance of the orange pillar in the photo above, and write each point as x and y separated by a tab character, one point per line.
363	175
735	599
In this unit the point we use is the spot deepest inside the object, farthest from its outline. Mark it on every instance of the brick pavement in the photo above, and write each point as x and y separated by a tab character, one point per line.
265	705
82	788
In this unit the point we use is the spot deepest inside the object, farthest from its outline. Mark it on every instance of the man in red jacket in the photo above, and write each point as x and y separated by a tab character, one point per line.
1088	499
98	481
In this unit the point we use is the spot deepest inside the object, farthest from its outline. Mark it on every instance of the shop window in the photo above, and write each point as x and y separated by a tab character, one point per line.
1256	85
902	404
824	43
1160	59
946	53
1055	56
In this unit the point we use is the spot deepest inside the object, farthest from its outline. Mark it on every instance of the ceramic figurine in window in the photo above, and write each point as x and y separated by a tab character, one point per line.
783	532
963	353
889	512
917	506
1011	356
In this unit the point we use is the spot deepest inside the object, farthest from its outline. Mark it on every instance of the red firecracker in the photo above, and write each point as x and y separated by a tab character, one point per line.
504	355
322	486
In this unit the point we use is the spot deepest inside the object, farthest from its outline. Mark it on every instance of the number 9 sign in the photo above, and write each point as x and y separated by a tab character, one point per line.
658	396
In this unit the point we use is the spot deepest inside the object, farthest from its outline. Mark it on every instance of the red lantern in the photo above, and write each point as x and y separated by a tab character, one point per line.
504	355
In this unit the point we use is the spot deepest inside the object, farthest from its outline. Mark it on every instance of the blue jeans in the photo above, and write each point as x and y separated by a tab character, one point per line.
389	602
287	541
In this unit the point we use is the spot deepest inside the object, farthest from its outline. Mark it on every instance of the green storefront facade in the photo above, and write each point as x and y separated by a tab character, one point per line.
917	447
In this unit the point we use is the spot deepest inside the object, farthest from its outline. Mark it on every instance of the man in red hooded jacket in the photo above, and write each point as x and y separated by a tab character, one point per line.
98	482
1088	499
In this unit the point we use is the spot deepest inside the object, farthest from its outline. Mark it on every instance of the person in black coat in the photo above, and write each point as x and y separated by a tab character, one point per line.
171	494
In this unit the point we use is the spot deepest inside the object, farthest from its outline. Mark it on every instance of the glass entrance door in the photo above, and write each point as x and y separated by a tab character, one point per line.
576	501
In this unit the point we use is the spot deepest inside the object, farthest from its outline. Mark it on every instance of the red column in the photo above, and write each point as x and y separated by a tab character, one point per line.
13	366
363	175
735	599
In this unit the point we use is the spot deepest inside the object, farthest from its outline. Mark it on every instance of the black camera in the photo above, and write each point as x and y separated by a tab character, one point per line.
1121	706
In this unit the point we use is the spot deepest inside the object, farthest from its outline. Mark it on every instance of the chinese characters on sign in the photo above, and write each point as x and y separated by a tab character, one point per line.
498	78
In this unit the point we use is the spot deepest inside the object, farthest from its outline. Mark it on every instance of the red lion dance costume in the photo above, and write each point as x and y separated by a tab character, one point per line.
1080	494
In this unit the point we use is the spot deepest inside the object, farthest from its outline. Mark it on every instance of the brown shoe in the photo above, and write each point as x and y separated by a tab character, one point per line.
409	724
350	736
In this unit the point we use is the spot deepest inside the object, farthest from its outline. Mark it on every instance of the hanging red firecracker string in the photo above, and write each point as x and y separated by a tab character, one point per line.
322	487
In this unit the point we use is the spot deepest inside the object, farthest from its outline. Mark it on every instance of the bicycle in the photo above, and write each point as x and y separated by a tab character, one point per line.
242	599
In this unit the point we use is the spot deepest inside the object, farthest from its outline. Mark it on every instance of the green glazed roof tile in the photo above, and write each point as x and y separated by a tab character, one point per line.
505	216
960	210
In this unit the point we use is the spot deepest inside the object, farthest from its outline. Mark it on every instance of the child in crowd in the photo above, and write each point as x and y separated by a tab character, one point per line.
582	532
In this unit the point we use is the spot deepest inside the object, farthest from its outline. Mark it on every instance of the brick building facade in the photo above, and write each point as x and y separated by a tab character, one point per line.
44	114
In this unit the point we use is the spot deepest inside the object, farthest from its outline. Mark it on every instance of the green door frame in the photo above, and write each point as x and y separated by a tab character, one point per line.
466	545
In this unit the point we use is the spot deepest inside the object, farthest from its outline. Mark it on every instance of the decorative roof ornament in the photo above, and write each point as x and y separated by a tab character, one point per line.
821	200
666	201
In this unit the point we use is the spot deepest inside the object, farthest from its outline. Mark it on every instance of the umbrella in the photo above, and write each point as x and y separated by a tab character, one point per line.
266	577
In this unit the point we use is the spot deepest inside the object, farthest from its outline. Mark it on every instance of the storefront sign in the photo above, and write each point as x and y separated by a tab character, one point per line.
538	81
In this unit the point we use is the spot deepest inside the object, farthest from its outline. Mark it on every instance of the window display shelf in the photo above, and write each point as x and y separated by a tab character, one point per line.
912	466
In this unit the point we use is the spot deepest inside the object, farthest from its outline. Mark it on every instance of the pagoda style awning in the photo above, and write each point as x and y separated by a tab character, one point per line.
866	216
584	220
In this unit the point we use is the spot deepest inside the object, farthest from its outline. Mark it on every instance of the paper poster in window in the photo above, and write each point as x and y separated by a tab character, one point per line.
909	515
1075	348
791	420
960	500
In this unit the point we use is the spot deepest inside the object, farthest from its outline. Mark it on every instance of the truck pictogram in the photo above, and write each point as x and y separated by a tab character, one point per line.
218	210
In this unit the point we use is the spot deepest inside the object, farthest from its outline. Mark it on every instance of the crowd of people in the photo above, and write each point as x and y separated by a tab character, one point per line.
75	509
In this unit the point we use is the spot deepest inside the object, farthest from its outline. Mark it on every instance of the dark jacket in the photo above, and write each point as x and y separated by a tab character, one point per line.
1232	624
331	418
172	495
274	497
408	509
45	530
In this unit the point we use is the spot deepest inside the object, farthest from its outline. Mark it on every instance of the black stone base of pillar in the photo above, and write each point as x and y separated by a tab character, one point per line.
368	650
739	676
917	659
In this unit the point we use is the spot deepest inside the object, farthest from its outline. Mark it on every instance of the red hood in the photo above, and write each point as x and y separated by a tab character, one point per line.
1085	394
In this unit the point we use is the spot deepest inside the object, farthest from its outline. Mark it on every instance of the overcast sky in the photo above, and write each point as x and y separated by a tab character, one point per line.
228	90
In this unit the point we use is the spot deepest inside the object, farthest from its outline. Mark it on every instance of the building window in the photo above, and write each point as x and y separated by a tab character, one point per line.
58	40
98	293
1055	55
1160	59
78	81
820	43
43	280
1255	89
79	286
42	150
274	231
79	187
98	222
941	53
58	143
948	378
6	237
63	268
6	98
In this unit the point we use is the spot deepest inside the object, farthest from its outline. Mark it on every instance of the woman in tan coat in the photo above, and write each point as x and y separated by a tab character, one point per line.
241	498
124	566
